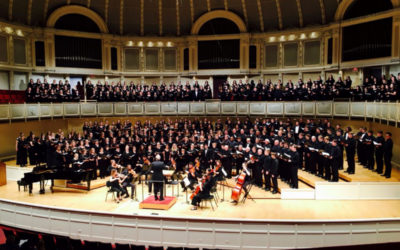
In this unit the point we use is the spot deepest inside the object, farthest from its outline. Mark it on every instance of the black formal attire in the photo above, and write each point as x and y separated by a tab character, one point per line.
294	166
267	172
336	154
157	168
273	172
350	153
379	153
22	153
387	156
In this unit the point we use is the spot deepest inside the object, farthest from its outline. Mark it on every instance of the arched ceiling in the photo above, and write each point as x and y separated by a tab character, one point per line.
176	17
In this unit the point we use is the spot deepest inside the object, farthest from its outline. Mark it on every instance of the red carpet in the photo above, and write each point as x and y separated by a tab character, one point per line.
151	203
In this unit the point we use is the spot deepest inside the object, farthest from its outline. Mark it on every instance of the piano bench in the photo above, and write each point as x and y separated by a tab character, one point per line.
22	183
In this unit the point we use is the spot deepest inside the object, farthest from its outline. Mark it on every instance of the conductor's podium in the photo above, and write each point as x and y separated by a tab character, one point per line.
151	203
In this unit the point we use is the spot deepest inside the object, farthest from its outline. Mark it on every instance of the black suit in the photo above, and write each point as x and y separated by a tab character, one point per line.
387	156
157	168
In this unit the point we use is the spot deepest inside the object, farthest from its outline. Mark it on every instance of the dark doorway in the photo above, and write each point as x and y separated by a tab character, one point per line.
217	82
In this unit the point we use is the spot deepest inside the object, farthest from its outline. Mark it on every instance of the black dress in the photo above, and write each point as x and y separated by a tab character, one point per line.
22	153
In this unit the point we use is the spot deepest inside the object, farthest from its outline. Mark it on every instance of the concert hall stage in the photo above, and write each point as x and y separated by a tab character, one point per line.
265	205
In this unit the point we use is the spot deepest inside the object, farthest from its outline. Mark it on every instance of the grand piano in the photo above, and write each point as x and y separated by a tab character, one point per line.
43	174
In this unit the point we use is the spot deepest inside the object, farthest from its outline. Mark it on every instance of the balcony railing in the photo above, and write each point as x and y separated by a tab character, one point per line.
382	111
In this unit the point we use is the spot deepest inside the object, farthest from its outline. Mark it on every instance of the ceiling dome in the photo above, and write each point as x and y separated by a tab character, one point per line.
176	17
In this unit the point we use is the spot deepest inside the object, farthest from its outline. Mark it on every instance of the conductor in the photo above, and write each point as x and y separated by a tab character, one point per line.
156	169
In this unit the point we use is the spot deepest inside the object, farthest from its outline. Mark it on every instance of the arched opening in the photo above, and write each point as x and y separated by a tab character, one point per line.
76	22
216	15
218	26
360	8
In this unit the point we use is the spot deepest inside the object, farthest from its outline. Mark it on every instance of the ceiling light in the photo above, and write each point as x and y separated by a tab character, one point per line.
129	43
282	38
140	44
170	44
150	44
272	39
160	44
292	37
314	34
303	36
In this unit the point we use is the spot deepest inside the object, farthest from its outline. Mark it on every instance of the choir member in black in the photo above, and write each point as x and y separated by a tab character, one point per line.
336	156
266	170
128	180
226	159
387	154
378	143
294	163
33	150
350	145
21	147
360	147
257	170
115	183
369	150
327	158
205	185
157	177
273	172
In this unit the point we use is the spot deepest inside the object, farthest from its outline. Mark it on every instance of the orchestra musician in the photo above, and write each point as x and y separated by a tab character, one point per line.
128	175
116	185
246	173
203	189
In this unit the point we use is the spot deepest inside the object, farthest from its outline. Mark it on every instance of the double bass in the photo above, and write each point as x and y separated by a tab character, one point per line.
237	190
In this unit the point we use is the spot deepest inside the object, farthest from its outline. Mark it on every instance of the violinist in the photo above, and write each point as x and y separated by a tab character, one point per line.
190	180
116	185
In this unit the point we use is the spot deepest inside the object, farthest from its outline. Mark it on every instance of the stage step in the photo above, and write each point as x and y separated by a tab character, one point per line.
304	192
365	175
310	179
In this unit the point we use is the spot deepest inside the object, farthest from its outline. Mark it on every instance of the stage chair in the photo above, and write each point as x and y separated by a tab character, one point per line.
110	190
214	192
209	199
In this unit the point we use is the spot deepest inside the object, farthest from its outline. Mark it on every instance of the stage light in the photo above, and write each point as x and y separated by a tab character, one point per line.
272	39
292	37
282	38
8	30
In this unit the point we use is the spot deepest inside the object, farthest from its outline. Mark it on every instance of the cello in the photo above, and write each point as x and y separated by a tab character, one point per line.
237	190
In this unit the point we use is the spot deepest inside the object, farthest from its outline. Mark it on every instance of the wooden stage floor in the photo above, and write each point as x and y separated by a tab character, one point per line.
265	206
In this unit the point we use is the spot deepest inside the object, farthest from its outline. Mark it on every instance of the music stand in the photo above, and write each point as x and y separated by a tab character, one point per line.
249	187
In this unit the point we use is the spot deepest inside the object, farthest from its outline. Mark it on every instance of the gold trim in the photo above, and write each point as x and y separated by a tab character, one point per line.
76	9
278	8
323	13
218	14
10	9
160	20
299	10
260	15
226	5
29	12
245	11
121	17
345	4
178	19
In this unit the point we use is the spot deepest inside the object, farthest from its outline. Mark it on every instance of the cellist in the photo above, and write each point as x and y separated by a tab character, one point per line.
247	180
203	189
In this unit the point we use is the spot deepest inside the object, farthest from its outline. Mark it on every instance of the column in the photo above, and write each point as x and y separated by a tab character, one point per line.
193	57
244	52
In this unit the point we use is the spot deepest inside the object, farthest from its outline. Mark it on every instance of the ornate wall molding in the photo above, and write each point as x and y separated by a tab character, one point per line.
218	14
75	9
